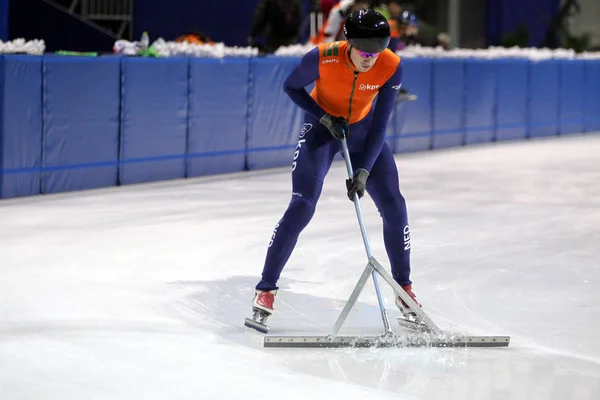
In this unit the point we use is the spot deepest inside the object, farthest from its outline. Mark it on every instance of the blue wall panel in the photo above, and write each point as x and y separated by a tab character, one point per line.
218	115
544	85
70	123
480	101
592	96
572	80
20	125
413	119
448	103
512	98
275	121
81	123
154	119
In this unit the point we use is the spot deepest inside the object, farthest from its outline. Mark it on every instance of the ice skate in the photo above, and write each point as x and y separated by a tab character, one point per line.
262	308
409	318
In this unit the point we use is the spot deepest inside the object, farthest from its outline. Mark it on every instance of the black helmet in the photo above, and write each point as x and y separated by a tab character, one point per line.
367	30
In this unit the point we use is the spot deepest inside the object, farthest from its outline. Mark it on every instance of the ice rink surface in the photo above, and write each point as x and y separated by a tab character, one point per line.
140	292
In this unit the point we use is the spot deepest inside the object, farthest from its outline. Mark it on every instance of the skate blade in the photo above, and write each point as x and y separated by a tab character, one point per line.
250	323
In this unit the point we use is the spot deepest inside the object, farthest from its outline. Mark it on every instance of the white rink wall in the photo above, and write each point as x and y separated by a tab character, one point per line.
219	50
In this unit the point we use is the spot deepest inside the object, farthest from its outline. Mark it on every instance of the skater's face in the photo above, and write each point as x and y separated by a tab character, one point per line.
363	61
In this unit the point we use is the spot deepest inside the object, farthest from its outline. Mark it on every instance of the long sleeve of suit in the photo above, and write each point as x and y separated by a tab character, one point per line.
304	74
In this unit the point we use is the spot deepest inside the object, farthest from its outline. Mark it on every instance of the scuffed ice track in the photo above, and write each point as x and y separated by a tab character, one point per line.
135	292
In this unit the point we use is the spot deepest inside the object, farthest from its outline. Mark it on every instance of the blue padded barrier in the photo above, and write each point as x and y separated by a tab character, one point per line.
592	96
218	116
544	84
512	82
572	79
412	123
81	123
154	119
448	103
275	122
480	101
20	125
70	123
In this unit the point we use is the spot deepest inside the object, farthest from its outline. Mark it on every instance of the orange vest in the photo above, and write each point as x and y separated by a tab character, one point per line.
342	93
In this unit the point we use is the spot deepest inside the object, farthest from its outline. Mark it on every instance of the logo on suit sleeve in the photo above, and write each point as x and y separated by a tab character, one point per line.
305	128
397	87
366	86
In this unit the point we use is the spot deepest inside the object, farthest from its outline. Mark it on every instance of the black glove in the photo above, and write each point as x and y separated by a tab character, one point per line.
357	184
337	126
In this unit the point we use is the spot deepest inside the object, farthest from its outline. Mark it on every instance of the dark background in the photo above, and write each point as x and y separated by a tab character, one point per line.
483	22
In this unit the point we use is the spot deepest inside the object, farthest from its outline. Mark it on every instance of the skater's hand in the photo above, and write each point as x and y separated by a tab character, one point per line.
337	126
357	184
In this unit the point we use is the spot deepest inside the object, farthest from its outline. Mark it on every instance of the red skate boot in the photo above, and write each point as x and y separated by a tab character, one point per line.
409	318
262	308
263	300
401	304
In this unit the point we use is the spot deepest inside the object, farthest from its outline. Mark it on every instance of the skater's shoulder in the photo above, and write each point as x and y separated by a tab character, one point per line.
332	50
389	60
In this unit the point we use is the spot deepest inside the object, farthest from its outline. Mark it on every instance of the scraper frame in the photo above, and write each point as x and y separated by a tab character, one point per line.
428	335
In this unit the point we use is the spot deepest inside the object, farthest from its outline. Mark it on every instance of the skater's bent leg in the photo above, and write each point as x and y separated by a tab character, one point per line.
312	159
285	236
384	189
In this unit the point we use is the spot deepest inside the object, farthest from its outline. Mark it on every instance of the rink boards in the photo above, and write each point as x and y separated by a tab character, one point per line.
75	123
